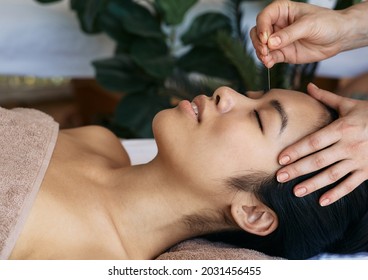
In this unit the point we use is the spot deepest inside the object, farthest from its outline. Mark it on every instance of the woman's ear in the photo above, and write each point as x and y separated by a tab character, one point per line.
255	218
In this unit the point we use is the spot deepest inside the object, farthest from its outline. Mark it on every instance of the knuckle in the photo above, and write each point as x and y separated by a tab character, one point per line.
320	162
314	142
312	186
293	171
333	175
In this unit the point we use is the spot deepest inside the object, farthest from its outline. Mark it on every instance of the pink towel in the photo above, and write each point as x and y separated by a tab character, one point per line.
27	140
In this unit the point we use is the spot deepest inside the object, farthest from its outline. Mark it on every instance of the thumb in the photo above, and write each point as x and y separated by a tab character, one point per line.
332	100
328	98
287	35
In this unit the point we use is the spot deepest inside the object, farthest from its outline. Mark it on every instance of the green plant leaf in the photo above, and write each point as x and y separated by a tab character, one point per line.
208	41
112	26
204	26
120	74
135	18
153	56
343	4
208	61
182	86
235	51
136	112
88	12
173	11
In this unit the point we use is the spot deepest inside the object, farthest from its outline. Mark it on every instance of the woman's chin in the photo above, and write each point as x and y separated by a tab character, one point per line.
164	125
158	122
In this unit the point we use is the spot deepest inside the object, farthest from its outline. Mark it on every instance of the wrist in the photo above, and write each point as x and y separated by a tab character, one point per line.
355	27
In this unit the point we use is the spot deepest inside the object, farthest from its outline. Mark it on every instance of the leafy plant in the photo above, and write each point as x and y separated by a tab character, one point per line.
154	63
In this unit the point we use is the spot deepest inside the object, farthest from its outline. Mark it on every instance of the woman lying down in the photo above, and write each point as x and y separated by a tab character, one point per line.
213	173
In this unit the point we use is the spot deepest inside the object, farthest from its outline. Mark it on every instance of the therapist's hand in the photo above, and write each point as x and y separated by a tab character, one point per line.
343	144
299	33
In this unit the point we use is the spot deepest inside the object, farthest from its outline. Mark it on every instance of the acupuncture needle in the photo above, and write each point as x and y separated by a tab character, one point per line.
268	72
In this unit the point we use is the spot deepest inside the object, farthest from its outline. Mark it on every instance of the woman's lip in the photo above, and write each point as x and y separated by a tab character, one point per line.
200	102
186	106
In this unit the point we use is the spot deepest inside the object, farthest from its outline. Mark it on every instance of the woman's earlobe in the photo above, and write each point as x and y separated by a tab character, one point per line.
255	219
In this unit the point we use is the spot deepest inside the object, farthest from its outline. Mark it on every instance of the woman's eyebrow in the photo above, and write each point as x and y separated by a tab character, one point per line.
280	109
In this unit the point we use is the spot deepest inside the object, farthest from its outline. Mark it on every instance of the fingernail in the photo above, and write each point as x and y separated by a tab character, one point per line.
300	192
265	37
274	41
284	160
325	202
282	177
313	85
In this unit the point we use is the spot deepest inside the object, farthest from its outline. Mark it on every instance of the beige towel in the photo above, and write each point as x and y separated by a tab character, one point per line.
27	140
201	249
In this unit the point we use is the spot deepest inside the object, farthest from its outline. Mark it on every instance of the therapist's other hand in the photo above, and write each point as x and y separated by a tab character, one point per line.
342	147
297	33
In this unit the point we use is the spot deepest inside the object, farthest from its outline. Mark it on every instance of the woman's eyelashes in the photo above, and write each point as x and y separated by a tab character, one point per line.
258	120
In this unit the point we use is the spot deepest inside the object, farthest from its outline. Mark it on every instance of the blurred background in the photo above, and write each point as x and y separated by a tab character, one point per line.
116	63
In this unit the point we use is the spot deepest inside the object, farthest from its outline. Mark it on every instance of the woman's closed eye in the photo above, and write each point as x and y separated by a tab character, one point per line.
258	120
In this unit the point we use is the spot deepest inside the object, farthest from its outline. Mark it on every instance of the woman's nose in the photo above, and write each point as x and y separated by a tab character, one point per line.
225	99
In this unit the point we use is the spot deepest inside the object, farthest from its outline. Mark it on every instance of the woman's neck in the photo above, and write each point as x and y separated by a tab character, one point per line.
151	210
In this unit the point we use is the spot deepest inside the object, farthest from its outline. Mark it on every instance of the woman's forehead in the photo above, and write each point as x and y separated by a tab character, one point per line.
284	93
304	113
291	97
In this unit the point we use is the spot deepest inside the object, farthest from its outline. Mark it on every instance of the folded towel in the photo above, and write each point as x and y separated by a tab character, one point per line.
202	249
27	140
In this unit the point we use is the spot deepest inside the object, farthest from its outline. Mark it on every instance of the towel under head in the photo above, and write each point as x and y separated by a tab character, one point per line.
27	140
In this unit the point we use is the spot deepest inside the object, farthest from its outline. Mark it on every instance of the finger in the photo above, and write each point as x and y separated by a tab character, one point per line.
272	58
259	55
328	98
288	35
344	188
266	59
276	12
264	23
311	143
276	56
257	44
311	163
325	178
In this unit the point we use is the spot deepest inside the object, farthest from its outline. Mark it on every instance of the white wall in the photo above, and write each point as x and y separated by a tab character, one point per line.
45	40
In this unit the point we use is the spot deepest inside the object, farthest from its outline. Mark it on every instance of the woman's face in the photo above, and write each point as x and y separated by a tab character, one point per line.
232	134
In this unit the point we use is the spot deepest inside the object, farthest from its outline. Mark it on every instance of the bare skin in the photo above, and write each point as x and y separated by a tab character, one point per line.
78	198
94	205
294	32
84	215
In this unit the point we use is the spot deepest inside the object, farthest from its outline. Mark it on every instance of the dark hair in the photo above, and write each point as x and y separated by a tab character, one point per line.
305	228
